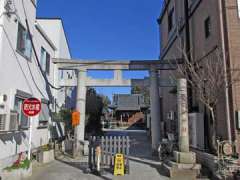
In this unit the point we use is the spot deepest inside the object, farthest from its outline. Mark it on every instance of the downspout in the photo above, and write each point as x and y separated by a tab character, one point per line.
187	51
224	50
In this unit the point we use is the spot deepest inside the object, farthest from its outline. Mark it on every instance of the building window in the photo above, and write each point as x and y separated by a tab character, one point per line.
24	45
171	20
23	120
44	116
45	60
207	27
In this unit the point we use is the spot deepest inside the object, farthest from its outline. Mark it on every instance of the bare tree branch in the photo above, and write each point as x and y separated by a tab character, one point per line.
208	78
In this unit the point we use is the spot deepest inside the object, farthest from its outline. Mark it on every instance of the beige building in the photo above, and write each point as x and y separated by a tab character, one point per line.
201	27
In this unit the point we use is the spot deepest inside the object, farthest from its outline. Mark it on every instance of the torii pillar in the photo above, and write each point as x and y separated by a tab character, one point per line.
155	109
80	107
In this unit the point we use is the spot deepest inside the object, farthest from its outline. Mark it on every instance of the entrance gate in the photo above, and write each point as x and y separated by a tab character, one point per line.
83	81
110	146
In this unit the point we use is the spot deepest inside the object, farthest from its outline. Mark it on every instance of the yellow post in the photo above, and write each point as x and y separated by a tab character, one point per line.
119	165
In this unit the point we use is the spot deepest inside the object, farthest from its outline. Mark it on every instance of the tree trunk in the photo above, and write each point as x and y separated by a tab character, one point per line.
213	131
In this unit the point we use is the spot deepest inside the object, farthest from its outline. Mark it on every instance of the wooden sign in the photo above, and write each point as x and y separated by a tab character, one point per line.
119	165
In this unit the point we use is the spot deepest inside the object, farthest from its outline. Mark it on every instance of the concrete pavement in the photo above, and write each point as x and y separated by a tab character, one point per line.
65	170
142	165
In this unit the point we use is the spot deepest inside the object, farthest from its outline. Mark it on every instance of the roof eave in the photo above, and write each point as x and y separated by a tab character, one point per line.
43	33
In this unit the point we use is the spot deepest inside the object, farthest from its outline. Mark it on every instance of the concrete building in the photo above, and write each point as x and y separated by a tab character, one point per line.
203	27
21	76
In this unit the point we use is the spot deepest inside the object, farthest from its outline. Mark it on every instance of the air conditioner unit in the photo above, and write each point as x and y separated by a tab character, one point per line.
3	122
196	130
9	122
170	115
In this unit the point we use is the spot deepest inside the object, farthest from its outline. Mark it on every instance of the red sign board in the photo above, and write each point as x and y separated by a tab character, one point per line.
31	107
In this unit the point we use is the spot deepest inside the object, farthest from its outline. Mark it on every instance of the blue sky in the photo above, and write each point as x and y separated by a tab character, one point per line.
108	29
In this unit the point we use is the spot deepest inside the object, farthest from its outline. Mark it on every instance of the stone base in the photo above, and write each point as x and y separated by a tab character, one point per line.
184	158
182	171
46	156
83	149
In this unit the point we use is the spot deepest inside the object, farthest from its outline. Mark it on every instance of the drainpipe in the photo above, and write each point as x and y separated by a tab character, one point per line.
224	48
188	48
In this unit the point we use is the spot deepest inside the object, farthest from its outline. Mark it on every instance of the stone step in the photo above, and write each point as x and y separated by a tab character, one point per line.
179	173
183	166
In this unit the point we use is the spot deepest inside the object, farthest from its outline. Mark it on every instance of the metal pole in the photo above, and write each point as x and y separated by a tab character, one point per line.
30	138
188	49
225	70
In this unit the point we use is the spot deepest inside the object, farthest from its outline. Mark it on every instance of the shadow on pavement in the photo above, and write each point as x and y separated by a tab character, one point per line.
157	166
83	166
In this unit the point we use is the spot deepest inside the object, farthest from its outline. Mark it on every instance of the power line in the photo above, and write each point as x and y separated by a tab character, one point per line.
35	53
18	61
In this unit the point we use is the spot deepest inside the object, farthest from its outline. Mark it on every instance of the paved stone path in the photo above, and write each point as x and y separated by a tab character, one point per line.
142	165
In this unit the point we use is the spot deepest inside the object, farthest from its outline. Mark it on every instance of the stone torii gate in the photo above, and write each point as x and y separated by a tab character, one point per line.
83	81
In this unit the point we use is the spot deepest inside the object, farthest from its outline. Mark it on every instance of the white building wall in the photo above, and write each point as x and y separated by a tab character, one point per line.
55	31
40	42
18	73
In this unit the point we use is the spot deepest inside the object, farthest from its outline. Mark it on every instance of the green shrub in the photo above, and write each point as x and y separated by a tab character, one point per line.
25	164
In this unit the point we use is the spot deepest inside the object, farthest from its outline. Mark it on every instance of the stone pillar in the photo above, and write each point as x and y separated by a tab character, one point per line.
155	109
80	107
184	165
183	155
182	100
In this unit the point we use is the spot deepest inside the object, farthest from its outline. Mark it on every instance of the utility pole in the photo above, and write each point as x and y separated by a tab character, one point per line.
188	48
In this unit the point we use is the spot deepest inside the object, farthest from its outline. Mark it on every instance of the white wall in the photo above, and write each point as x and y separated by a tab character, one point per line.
18	73
55	30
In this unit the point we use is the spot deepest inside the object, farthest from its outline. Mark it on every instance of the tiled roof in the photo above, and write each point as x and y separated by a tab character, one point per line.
127	102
